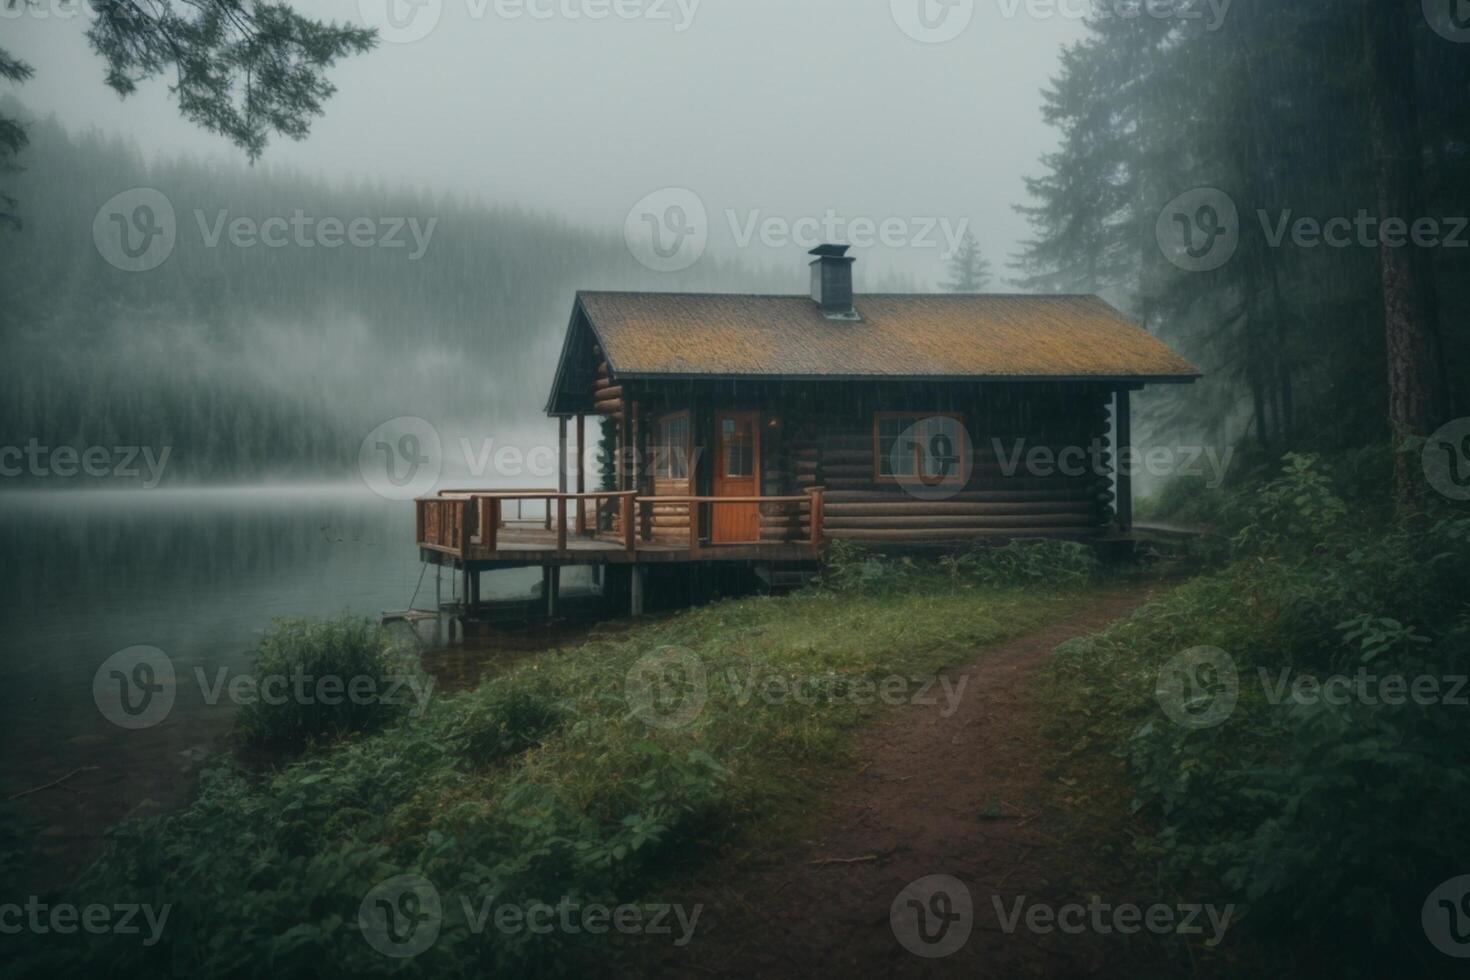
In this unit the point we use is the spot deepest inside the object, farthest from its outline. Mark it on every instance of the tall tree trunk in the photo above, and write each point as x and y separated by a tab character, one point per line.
1408	289
1257	384
1261	275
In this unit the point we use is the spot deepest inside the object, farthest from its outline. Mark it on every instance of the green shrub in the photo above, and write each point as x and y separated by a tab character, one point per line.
1262	492
854	569
1297	509
501	719
1052	564
851	568
1328	823
321	680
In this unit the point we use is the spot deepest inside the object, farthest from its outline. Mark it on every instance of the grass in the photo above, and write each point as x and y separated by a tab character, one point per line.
556	778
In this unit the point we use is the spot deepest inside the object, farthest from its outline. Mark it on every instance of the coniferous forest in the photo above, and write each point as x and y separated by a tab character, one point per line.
1288	111
258	362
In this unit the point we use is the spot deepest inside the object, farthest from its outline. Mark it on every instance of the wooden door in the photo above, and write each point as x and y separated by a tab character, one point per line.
736	469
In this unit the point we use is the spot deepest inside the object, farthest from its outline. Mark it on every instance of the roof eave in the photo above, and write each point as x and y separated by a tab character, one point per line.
736	376
566	345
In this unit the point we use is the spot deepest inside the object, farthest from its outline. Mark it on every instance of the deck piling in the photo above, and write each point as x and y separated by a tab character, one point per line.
473	532
438	604
636	589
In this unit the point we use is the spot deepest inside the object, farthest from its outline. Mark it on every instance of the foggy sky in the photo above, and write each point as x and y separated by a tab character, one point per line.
767	108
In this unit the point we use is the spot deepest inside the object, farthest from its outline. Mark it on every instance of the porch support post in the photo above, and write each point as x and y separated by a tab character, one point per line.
1123	423
561	454
635	455
625	443
581	473
636	589
642	474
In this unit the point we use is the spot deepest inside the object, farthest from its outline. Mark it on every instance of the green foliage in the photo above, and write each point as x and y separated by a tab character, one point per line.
240	70
322	680
504	718
13	137
1378	635
541	783
1298	508
1329	822
853	569
1048	564
1359	476
607	450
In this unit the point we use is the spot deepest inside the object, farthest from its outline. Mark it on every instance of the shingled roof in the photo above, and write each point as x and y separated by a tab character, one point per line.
911	336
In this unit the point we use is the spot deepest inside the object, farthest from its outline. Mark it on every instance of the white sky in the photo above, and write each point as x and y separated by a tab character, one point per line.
784	108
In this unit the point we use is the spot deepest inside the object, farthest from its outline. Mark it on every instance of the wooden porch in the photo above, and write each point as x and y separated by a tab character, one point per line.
480	530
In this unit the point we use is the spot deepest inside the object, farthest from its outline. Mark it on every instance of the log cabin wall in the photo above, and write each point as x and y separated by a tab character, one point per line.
641	410
822	434
833	445
672	463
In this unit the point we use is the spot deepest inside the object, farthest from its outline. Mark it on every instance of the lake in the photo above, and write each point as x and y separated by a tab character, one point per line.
198	574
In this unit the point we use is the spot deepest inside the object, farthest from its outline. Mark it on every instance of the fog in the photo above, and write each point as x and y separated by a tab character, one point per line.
763	108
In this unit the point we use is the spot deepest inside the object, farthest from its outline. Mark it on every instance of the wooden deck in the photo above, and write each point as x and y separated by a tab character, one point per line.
475	531
537	546
482	530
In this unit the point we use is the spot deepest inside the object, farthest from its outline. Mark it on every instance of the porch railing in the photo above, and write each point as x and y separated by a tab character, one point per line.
468	522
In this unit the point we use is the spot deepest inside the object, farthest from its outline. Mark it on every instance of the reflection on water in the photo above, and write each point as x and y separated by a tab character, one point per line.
198	574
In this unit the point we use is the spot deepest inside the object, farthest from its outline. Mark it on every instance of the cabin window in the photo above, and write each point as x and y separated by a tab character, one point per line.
671	454
737	442
916	445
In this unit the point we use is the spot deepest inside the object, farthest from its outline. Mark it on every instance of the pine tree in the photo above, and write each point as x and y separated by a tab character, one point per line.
242	71
607	449
968	269
1265	110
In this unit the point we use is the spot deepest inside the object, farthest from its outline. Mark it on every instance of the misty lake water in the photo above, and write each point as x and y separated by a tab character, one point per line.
197	573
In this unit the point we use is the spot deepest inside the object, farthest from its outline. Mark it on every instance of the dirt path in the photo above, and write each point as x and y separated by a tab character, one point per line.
965	796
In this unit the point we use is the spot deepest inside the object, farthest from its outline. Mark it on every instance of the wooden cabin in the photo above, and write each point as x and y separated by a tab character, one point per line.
757	427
